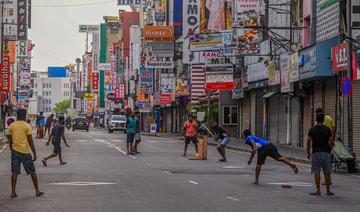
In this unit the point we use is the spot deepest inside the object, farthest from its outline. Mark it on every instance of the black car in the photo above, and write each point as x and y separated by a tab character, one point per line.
81	124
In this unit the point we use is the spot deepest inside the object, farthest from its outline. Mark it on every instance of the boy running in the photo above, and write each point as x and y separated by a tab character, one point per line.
57	133
21	142
264	149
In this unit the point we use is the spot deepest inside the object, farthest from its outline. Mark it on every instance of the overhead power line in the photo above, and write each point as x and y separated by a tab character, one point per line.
75	5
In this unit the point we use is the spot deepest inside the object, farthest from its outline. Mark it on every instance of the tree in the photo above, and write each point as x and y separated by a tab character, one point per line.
61	107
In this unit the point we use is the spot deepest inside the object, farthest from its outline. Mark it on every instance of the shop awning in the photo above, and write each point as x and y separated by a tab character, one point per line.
270	94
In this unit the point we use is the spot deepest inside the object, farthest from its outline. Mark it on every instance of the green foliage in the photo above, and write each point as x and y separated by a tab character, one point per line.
61	107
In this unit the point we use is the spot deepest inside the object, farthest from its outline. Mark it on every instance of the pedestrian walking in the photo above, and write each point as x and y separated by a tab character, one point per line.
37	124
319	147
264	148
223	139
49	122
20	140
137	135
41	126
57	133
191	132
131	131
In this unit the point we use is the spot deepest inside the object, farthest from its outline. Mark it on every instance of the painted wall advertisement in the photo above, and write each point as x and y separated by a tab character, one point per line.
216	15
248	14
191	21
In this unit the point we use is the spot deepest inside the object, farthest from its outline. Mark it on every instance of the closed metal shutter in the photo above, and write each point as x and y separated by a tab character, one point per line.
283	123
318	98
356	118
345	121
295	121
307	119
273	122
245	113
330	98
259	114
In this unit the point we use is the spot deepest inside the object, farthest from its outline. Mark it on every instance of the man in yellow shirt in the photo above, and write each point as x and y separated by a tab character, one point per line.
21	142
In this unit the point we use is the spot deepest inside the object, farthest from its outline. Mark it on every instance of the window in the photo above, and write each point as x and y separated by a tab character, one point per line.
230	115
49	93
43	93
35	85
49	101
356	9
43	85
43	101
49	85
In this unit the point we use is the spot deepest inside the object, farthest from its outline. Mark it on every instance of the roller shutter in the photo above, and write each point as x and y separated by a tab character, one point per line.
356	118
273	122
306	119
259	114
318	98
245	113
330	98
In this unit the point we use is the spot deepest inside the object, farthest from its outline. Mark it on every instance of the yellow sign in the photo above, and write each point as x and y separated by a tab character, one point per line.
89	96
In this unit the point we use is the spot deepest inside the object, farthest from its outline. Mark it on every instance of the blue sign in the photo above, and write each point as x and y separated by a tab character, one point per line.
178	17
57	72
346	87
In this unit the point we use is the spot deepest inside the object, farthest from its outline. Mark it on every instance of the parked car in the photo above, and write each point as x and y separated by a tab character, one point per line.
117	123
81	123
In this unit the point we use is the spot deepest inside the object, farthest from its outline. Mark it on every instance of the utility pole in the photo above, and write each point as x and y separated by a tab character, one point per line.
349	73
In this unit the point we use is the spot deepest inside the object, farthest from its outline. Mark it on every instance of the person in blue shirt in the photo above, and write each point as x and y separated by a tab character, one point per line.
264	149
131	131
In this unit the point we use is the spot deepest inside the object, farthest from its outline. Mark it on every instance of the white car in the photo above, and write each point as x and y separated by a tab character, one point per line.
117	123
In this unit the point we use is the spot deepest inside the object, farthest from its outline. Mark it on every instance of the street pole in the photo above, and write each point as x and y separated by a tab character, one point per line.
349	73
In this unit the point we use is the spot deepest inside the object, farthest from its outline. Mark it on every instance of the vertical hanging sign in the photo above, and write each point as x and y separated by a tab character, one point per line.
5	75
22	20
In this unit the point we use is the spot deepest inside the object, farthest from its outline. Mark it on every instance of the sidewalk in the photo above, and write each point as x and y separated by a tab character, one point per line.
293	153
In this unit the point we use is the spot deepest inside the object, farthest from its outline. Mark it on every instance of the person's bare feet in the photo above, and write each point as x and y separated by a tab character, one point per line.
13	195
295	168
63	163
39	194
317	193
256	183
329	193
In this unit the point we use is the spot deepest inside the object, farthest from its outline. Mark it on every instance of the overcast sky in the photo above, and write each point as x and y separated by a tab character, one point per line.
55	29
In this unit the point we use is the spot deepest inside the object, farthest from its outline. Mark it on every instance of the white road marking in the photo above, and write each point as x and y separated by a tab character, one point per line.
82	183
355	175
148	164
167	172
3	148
100	140
81	140
117	140
153	141
193	182
122	151
233	167
232	198
296	184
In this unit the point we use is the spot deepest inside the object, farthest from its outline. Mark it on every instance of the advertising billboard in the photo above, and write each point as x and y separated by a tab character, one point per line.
191	22
216	15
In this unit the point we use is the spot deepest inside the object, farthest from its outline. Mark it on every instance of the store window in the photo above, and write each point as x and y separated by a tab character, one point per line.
230	115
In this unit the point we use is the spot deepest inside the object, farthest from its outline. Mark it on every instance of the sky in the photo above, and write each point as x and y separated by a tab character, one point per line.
55	29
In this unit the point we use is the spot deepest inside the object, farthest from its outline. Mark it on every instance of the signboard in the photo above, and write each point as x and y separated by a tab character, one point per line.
219	79
9	120
159	49
22	20
206	42
136	3
356	65
159	64
158	33
160	10
110	96
307	63
182	87
95	51
238	91
294	67
167	86
284	69
23	48
340	57
122	91
346	86
248	15
191	22
257	72
5	75
146	84
218	62
10	20
95	81
89	28
89	96
105	66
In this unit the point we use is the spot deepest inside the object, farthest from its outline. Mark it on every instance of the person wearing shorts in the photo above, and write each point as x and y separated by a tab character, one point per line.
190	130
57	133
320	142
264	149
223	139
20	140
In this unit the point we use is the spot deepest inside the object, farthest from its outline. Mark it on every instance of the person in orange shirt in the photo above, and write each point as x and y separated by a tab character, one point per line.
190	130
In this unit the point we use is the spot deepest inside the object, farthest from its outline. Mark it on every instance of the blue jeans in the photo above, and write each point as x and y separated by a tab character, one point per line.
223	142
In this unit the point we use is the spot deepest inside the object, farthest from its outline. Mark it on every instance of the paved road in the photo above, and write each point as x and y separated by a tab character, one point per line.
159	179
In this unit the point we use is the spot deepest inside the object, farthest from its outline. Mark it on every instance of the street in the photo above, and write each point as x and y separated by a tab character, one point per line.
100	177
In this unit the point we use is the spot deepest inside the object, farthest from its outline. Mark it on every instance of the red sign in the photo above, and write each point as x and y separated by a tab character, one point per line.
165	99
222	86
5	75
340	57
356	65
122	91
117	93
95	81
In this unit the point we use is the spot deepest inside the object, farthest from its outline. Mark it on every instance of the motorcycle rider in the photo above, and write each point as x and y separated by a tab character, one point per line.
68	122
